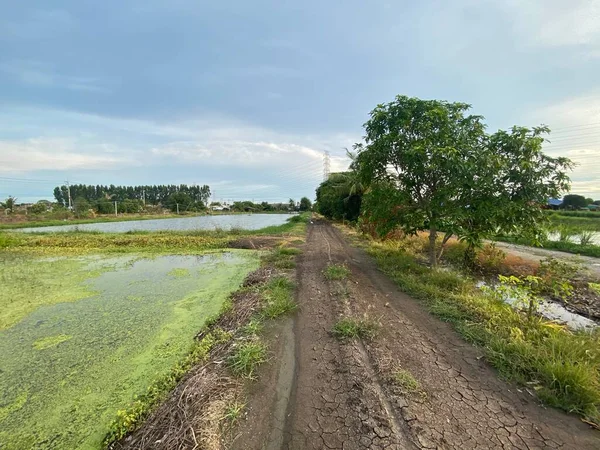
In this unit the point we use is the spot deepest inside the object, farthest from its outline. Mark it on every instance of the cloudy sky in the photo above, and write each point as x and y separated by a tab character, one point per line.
245	96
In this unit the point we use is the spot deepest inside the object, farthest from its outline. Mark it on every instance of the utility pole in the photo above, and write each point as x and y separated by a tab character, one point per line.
144	196
177	208
116	213
69	193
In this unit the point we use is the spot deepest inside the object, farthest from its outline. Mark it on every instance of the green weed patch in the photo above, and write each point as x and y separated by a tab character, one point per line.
562	366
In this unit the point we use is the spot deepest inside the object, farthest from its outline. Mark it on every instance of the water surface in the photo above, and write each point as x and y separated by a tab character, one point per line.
225	222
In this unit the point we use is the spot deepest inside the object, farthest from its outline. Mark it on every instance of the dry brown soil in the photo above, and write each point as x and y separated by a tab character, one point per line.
323	393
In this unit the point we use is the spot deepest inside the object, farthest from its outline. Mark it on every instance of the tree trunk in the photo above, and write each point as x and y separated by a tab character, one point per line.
432	252
469	258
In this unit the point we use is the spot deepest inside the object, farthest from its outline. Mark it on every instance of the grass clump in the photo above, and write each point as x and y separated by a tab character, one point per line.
562	365
405	380
282	257
246	359
278	297
352	329
336	272
232	412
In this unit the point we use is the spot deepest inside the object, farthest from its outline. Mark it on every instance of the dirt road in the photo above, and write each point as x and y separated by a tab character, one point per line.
339	395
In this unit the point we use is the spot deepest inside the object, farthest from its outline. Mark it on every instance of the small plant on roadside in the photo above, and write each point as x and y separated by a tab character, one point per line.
336	272
278	294
246	359
232	413
353	328
252	328
565	233
490	258
586	237
594	287
555	277
405	380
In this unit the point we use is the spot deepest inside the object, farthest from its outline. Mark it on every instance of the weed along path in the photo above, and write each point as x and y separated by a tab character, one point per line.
372	369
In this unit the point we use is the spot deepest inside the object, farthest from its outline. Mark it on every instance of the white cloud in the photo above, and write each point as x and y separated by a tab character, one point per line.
71	140
21	156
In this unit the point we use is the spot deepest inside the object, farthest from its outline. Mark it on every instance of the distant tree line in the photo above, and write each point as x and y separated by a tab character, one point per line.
133	198
247	206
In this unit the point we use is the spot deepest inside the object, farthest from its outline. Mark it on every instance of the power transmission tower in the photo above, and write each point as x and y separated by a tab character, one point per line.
326	165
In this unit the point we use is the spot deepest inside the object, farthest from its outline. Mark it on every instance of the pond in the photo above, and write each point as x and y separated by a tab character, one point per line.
551	311
224	222
595	238
88	347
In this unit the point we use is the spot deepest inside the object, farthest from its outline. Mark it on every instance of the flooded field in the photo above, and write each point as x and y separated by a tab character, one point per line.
81	337
224	222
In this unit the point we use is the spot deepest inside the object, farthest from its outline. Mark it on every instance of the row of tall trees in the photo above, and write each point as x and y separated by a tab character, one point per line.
429	165
164	195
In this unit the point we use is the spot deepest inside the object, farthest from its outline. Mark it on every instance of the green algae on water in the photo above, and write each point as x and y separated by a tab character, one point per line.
122	335
50	341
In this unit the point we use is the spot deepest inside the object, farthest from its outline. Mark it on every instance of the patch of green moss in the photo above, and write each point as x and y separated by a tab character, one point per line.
178	273
50	341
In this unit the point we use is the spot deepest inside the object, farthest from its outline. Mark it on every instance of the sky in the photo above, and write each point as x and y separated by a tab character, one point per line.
246	96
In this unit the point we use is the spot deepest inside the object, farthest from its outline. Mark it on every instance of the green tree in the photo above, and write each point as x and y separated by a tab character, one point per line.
9	204
179	201
338	197
81	207
510	178
589	201
415	155
574	201
305	204
292	204
39	207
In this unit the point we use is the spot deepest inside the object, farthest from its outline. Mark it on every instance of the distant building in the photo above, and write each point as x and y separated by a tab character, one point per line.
554	203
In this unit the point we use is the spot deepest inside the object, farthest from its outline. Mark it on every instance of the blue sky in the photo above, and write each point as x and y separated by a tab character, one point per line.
245	96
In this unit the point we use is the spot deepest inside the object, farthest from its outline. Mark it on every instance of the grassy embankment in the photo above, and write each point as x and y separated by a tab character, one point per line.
561	366
31	284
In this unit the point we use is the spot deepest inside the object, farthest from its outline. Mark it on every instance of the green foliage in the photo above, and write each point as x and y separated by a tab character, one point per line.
574	201
9	204
81	208
430	166
354	329
233	412
246	358
38	208
305	204
136	195
586	237
278	296
336	272
340	196
562	366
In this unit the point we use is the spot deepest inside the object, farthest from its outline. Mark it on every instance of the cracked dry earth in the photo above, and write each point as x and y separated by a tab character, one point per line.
341	394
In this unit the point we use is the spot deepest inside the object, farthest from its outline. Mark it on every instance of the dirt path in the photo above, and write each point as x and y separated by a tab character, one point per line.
341	396
537	254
